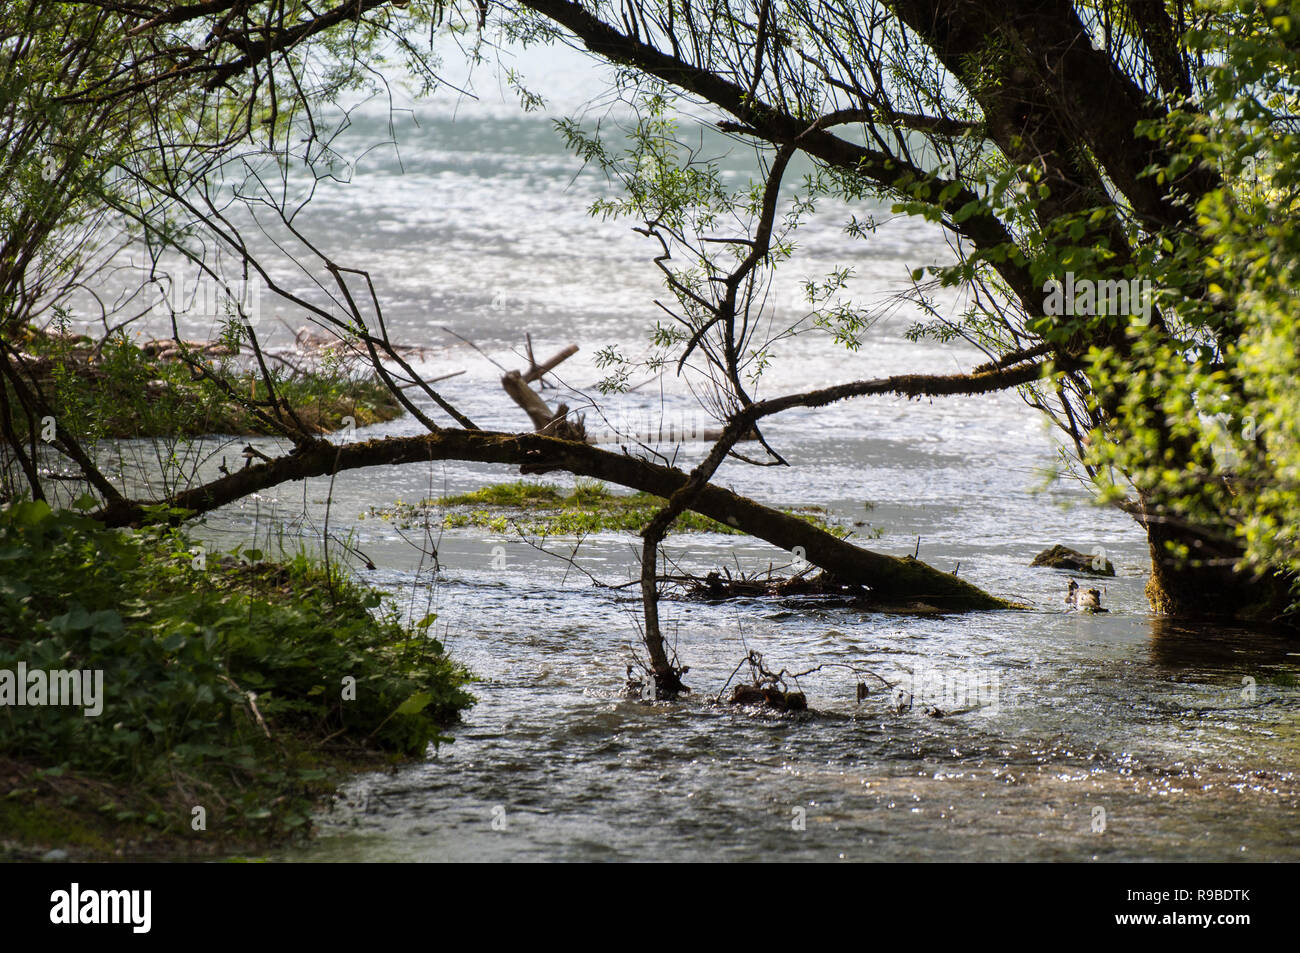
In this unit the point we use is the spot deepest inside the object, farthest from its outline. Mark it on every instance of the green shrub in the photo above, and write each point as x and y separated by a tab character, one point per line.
182	647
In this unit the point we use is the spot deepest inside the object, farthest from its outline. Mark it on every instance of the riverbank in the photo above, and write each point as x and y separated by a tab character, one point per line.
122	389
221	697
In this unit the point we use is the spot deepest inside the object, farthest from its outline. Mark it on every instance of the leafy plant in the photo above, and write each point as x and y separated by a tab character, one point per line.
227	685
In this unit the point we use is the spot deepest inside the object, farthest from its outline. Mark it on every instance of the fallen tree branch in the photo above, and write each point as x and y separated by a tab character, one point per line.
902	579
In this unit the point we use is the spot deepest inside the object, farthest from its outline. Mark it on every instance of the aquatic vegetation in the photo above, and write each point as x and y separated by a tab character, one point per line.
542	509
124	390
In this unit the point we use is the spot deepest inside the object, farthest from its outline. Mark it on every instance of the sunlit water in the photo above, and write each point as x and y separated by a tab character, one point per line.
1113	737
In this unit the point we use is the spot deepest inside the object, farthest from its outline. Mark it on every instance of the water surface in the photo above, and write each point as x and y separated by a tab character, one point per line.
1115	737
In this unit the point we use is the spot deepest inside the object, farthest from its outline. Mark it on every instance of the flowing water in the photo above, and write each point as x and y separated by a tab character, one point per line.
1111	736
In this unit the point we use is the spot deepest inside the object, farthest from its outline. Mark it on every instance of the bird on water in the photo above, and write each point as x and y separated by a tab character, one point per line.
1089	601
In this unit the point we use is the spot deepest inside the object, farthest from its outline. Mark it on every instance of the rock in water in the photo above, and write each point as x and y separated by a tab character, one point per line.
1063	557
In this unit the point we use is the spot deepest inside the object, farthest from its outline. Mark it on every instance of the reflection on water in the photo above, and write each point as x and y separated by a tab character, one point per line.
1182	645
1114	736
1100	746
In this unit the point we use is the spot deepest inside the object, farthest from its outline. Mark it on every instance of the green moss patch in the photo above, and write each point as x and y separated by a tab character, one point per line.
540	509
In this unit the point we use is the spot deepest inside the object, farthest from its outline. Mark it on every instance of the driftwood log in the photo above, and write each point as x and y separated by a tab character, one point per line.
901	579
554	423
566	425
768	696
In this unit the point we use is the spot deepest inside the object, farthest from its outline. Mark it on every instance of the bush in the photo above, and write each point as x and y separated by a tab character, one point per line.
182	648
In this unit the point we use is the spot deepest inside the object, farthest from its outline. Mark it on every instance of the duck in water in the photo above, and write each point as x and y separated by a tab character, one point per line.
1089	601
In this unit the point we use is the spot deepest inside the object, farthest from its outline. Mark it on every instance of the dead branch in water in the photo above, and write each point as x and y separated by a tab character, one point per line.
565	423
770	690
556	423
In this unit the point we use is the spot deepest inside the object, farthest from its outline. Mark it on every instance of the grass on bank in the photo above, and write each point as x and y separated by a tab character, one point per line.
196	662
121	391
542	509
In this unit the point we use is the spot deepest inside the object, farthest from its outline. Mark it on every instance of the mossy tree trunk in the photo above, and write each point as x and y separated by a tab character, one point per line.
1195	576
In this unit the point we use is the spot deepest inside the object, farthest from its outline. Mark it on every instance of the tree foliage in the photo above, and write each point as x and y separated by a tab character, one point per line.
1140	151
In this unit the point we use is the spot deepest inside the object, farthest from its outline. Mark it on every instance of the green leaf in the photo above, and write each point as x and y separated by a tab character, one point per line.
415	704
30	513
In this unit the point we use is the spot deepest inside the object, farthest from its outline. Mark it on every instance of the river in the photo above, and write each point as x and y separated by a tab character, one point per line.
1115	736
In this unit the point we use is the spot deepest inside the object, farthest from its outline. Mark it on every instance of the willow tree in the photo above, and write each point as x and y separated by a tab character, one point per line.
1117	178
1137	145
201	111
